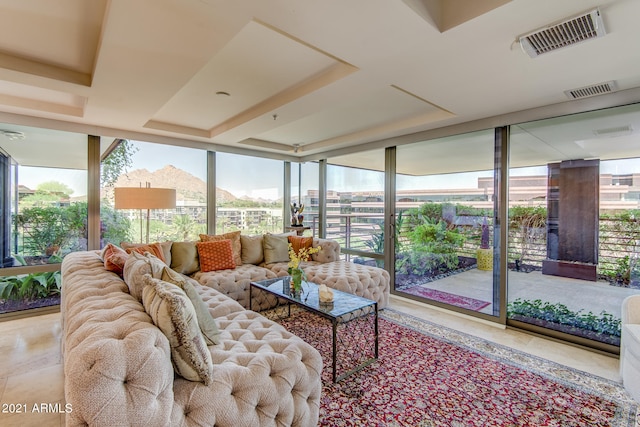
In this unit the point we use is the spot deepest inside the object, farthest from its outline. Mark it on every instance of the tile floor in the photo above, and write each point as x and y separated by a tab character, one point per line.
31	365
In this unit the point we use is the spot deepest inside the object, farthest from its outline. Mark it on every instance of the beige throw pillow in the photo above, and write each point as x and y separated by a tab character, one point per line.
173	313
252	252
135	267
184	257
276	248
206	322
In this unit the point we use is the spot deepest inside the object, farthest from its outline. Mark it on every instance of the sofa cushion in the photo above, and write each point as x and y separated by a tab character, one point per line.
164	246
173	313
114	258
276	248
206	322
251	251
136	267
329	250
215	255
153	248
234	236
184	257
235	283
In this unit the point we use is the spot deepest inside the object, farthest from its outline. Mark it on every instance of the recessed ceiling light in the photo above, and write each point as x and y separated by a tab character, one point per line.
12	135
222	93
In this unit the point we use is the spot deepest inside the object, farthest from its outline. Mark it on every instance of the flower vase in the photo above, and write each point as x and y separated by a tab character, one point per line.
296	281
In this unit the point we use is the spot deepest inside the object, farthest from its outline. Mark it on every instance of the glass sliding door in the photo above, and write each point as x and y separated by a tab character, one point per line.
573	234
445	222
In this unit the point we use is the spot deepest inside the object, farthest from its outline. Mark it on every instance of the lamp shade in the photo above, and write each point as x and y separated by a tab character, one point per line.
145	198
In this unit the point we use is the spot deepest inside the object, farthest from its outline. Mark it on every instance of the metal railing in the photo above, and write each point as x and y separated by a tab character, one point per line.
360	236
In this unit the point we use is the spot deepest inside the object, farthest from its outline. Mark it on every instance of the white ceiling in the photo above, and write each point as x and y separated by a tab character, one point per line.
321	75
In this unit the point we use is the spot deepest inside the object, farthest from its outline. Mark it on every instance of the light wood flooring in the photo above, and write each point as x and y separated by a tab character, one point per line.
31	370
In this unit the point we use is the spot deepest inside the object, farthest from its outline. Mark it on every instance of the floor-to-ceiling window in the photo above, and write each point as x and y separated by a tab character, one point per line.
445	222
305	191
573	234
44	204
249	194
130	163
355	205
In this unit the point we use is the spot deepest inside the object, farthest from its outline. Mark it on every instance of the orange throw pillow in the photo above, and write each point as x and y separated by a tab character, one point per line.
215	255
153	248
299	242
236	246
114	258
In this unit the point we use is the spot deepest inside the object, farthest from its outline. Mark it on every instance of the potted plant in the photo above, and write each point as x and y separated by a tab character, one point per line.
484	255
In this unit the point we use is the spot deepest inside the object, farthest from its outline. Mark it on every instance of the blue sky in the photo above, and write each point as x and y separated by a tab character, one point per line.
255	177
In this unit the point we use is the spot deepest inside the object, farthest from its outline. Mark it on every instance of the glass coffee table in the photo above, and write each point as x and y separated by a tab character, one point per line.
351	316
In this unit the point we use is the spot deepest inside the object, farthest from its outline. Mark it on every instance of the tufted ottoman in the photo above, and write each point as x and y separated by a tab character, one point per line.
362	280
235	283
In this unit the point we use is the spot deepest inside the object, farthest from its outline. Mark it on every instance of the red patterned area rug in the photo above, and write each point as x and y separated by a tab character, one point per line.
428	375
446	297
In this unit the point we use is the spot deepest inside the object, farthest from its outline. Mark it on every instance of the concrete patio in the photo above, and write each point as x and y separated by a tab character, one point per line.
574	293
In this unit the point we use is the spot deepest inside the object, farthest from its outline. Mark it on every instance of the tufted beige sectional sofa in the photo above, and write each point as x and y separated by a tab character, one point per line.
118	368
325	267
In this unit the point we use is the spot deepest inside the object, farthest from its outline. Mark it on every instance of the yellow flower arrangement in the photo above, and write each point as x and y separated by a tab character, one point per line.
303	255
297	273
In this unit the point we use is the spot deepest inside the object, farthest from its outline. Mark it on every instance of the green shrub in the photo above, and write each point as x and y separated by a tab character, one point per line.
30	286
605	323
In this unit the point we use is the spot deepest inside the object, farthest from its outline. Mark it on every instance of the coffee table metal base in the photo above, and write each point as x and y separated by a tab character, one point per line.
351	317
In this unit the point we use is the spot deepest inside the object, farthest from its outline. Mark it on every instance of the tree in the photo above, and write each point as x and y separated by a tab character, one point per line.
55	187
117	162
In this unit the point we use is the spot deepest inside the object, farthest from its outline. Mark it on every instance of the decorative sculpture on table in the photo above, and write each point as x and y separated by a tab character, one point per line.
296	214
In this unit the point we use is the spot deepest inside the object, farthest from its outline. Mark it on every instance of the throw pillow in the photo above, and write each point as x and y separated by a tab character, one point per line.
276	248
299	242
252	252
234	236
173	313
152	248
136	267
206	322
215	255
184	257
114	258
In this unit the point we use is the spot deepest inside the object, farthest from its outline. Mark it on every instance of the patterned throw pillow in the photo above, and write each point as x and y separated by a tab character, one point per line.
114	258
215	255
206	322
173	313
234	236
299	242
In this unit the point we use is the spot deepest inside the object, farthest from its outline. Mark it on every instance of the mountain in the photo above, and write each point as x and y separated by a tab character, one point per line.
188	187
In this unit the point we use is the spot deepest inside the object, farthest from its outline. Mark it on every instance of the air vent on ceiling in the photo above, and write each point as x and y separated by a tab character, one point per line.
593	90
567	33
614	131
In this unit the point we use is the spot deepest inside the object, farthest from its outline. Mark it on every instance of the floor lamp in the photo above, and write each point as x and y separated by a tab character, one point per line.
145	198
